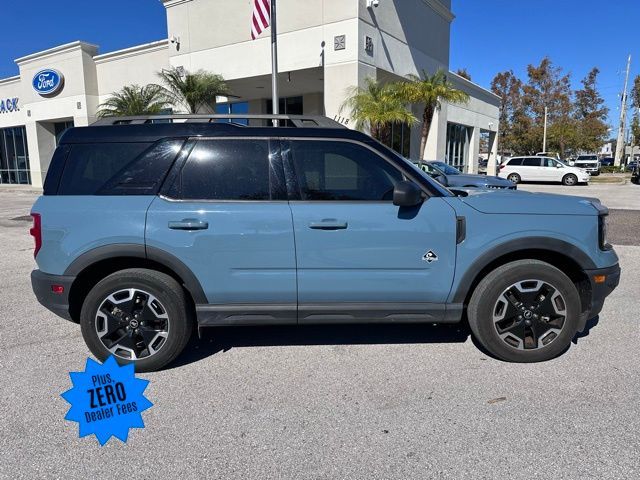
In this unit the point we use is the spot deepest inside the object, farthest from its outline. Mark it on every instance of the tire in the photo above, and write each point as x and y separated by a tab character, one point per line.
570	180
514	177
544	337
150	340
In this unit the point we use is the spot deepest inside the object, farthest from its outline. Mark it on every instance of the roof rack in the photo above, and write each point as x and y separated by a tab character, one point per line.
299	121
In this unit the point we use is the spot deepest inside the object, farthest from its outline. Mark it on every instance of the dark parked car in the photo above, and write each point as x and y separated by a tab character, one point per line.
452	177
607	162
631	166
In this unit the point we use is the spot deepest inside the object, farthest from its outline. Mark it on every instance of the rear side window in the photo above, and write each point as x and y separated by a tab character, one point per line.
54	172
531	162
90	166
225	169
514	162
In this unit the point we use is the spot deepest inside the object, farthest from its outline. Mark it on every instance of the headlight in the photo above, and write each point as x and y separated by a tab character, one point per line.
602	233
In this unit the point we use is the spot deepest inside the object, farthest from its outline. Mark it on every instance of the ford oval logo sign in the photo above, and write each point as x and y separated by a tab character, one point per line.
48	82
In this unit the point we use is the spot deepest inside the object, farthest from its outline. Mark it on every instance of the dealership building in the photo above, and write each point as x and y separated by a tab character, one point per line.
325	47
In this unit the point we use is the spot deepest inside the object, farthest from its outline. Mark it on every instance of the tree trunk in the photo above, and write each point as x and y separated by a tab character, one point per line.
427	118
375	133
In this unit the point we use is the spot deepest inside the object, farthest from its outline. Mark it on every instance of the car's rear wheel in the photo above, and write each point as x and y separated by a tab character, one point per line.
139	316
525	311
514	177
570	180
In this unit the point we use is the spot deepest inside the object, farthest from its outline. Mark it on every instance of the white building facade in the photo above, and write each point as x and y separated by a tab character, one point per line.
325	47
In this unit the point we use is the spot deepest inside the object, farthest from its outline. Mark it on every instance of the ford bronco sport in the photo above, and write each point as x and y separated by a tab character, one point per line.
147	229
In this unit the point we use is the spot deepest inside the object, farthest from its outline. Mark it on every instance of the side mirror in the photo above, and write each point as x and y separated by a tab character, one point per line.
442	179
406	194
558	165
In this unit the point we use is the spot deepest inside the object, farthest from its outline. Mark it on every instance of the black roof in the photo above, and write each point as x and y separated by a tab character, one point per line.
152	132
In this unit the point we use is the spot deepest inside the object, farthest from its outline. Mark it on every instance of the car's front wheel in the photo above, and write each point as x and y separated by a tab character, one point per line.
139	316
525	311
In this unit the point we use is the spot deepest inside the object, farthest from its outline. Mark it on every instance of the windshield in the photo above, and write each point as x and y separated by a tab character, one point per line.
447	169
587	157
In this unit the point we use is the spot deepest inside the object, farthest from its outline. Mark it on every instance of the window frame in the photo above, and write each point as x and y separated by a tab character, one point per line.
293	180
274	163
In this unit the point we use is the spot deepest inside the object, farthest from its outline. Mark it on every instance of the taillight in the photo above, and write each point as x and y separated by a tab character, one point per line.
501	166
36	233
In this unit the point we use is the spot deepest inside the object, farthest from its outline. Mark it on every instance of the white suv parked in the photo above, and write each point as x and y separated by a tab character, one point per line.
541	169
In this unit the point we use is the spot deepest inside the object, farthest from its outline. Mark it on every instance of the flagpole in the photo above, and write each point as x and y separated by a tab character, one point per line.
274	62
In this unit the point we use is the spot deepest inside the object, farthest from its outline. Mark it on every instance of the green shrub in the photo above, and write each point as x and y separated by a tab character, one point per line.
611	169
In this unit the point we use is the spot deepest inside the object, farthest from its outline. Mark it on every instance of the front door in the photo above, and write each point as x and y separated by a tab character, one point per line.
359	257
226	217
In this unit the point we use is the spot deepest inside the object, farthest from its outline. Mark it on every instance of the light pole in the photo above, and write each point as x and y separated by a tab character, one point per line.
544	137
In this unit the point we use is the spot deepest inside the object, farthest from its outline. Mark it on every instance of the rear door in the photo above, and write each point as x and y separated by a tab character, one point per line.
531	169
360	257
226	217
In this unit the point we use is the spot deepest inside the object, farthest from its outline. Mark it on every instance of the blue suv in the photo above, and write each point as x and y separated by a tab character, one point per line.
146	230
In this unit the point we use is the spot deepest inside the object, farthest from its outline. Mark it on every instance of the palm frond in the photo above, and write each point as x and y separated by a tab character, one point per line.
135	100
376	105
193	91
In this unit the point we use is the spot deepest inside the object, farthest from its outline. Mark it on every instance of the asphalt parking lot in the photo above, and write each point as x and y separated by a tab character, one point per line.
332	402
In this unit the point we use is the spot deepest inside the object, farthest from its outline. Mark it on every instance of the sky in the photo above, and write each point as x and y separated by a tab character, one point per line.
490	36
487	37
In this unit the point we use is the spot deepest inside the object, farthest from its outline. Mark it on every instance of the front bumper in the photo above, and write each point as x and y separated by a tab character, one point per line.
58	303
600	289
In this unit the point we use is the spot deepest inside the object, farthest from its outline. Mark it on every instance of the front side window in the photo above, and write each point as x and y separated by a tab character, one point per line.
225	169
333	171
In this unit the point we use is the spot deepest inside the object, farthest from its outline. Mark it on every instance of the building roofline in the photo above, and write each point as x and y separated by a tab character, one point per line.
15	78
59	49
441	10
474	86
132	51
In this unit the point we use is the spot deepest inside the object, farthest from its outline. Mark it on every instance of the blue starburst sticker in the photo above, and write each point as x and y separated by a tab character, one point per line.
106	400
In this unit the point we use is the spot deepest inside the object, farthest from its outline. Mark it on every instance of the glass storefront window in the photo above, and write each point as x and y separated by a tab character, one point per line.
400	139
60	128
238	108
458	146
14	156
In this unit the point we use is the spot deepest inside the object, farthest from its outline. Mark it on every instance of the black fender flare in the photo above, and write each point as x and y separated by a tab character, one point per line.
548	244
106	252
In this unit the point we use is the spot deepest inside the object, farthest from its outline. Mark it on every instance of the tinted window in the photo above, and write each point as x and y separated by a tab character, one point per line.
226	170
342	171
531	162
515	162
548	162
89	167
144	175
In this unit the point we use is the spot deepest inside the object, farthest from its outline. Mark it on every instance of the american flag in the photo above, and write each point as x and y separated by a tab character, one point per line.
261	17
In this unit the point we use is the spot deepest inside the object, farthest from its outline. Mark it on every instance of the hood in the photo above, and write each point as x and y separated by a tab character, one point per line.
464	180
533	203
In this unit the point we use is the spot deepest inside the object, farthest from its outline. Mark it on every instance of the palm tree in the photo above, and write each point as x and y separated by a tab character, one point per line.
193	91
135	100
376	106
430	90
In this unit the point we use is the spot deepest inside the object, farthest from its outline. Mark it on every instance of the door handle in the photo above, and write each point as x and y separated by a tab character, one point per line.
189	224
329	224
